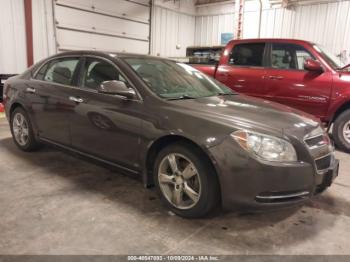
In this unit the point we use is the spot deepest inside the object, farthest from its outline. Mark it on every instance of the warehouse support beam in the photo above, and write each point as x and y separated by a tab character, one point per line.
238	24
29	31
260	16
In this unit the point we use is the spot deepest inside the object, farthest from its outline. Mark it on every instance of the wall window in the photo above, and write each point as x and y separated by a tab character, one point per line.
97	71
289	56
59	71
250	54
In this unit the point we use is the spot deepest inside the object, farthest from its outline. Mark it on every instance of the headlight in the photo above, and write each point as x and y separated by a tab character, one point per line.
266	147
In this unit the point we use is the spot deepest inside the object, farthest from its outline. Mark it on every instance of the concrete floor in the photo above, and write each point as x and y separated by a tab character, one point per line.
54	203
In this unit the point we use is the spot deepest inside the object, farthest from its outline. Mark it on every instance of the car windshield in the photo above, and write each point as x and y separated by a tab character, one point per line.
334	61
172	80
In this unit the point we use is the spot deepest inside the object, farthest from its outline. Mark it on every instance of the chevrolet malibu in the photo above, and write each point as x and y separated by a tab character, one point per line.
198	142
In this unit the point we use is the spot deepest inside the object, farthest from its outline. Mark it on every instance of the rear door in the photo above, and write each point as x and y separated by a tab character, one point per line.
243	69
106	126
49	92
290	84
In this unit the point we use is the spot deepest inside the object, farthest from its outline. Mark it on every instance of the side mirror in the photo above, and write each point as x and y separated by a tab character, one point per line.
312	65
116	87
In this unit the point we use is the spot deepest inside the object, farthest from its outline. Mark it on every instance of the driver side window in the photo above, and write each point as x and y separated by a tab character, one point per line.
289	56
96	71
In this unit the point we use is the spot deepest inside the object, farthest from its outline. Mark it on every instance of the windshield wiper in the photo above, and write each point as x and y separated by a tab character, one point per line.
181	97
225	94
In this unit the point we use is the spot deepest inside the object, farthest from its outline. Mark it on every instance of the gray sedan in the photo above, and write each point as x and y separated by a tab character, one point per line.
198	142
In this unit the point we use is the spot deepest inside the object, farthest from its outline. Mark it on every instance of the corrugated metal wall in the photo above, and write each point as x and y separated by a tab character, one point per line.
212	21
180	23
327	24
44	42
209	28
13	54
173	27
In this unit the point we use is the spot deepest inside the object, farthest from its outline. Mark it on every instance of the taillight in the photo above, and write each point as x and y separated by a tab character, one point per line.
5	92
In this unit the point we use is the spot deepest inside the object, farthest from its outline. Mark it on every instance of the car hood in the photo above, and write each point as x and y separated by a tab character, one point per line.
241	111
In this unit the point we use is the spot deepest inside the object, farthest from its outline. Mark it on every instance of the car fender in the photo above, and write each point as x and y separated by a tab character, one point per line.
173	136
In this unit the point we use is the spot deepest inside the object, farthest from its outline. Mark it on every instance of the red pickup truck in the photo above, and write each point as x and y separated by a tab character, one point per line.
296	73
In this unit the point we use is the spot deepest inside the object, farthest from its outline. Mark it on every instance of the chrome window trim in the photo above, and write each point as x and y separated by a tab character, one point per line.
139	97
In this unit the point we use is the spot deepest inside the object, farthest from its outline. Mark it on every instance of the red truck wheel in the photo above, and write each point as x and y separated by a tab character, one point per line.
341	131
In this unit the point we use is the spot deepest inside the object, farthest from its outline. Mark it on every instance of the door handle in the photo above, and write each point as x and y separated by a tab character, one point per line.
30	90
76	99
276	77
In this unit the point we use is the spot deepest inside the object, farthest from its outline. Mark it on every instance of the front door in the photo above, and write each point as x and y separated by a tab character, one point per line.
290	84
106	126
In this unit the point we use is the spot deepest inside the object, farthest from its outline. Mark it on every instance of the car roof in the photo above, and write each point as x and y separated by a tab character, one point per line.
288	40
107	54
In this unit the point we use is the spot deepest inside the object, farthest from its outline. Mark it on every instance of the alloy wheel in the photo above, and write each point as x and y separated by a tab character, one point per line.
20	129
179	181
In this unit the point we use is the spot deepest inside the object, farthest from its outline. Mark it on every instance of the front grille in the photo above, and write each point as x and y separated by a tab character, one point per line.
321	150
323	162
315	141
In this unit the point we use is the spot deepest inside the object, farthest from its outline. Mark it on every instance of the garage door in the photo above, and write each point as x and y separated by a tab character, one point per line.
105	25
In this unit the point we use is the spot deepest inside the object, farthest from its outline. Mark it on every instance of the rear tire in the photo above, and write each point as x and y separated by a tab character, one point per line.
193	190
22	131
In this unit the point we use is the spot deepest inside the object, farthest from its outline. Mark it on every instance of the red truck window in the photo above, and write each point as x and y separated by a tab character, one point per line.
250	54
289	56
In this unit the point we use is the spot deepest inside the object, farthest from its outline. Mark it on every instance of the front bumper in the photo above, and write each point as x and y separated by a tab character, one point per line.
251	184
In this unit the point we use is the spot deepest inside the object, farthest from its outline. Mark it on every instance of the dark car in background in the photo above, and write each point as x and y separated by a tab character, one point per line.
197	141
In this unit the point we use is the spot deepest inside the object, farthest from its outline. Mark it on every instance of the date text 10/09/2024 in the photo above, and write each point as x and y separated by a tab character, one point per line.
173	258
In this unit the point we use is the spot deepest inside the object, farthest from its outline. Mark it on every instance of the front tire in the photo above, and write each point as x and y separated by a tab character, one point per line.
186	181
22	131
341	131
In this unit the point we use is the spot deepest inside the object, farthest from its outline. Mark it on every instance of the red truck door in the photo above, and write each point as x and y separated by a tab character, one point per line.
289	84
242	68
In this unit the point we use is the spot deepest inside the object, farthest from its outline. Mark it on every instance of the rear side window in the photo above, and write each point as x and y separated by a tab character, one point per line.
289	56
60	71
250	54
41	74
